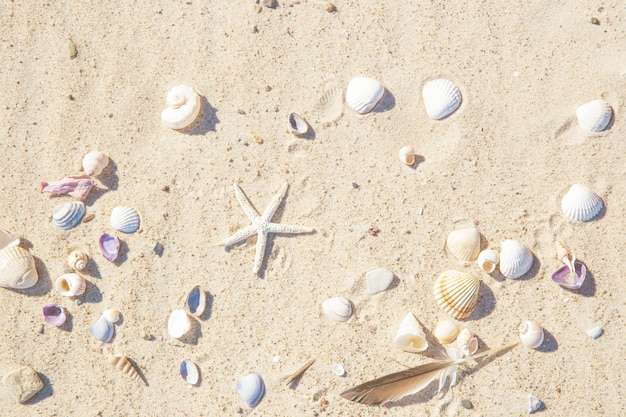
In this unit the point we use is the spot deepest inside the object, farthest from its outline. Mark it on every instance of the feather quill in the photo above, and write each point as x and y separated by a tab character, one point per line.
395	386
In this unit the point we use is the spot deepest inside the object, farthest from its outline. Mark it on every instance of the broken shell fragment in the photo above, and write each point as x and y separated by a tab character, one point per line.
594	116
457	293
337	308
488	260
125	219
441	98
410	336
446	331
109	246
178	324
183	107
531	334
17	268
67	215
196	301
363	94
251	389
297	124
515	259
581	203
464	244
54	314
189	372
77	260
95	162
102	329
378	280
467	342
125	365
70	285
75	186
112	315
407	155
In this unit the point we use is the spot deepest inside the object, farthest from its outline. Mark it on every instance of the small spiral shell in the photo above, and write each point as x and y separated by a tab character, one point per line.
77	260
183	107
124	364
531	334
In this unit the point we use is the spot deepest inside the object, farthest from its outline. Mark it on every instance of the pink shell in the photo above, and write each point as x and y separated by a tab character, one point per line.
564	278
109	246
77	186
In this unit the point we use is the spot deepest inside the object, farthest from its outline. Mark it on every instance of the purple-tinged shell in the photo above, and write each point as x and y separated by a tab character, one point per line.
565	278
109	246
76	186
54	314
189	372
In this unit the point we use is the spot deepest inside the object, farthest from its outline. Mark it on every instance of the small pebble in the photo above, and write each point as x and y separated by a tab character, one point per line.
22	384
329	7
158	249
72	50
595	332
276	359
595	21
534	404
270	4
465	403
516	73
339	370
89	217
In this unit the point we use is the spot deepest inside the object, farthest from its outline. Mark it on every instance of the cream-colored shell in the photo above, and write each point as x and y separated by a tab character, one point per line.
94	162
122	363
457	293
337	308
441	98
70	285
17	268
363	94
407	155
77	260
446	331
8	238
488	260
464	244
581	203
178	324
515	259
531	334
594	116
410	336
112	315
183	107
467	342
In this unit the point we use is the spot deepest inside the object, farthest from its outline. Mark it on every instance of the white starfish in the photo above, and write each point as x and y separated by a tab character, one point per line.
261	225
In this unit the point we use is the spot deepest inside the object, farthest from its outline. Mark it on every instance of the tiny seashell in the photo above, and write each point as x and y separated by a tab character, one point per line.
112	315
17	268
339	370
441	98
109	246
446	331
70	285
567	278
464	244
457	293
488	260
125	365
531	334
363	93
251	389
67	215
378	280
410	336
297	124
76	186
8	239
183	107
77	260
407	155
595	332
189	372
102	329
125	219
594	116
95	162
196	301
337	308
515	259
581	203
54	314
178	324
467	342
534	404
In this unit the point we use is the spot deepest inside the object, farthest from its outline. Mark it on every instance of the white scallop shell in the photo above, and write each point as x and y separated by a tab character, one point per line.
441	98
178	324
467	342
251	389
17	268
67	215
464	244
378	280
70	285
446	331
515	259
410	336
102	329
531	334
407	155
183	106
594	116
337	308
363	93
125	219
94	162
581	203
297	124
112	315
77	260
457	293
488	260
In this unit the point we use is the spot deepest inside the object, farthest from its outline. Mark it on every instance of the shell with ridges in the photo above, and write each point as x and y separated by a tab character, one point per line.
95	162
410	336
337	308
441	98
102	329
251	389
70	285
581	203
69	214
515	259
363	94
488	260
183	107
77	260
125	365
407	155
594	116
446	331
125	219
17	268
531	334
457	293
464	244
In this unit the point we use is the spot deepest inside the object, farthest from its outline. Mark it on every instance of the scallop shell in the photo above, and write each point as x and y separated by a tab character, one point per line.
488	260
410	336
69	214
446	331
594	116
95	162
407	155
363	93
457	293
112	315
17	268
70	285
109	246
531	334
102	329
178	324
54	314
125	219
467	342
441	98
378	280
337	308
77	260
581	203
251	389
183	107
125	365
189	372
515	259
464	244
297	124
196	301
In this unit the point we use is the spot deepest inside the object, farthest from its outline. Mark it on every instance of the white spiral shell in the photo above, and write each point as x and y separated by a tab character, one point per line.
337	308
363	94
488	260
17	268
125	219
581	203
70	285
531	334
594	116
407	155
183	107
77	260
410	336
515	259
441	98
94	162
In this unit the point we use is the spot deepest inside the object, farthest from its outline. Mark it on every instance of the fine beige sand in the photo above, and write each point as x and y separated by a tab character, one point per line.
501	162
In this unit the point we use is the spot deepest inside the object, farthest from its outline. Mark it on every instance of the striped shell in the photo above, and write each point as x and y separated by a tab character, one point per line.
581	203
94	162
515	259
124	364
77	260
67	215
441	98
594	116
363	93
464	244
338	308
17	268
457	293
183	107
70	285
125	219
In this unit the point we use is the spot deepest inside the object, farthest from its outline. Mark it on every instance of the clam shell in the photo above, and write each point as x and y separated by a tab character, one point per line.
109	246
77	260
407	155
464	244
196	301
178	324
441	98
363	93
125	365
594	116
410	336
189	372
446	331
67	215
112	315
125	219
17	268
565	278
251	389
457	293
378	280
54	314
183	107
467	342
297	124
581	203
70	285
95	162
337	308
531	334
515	259
488	260
8	238
102	329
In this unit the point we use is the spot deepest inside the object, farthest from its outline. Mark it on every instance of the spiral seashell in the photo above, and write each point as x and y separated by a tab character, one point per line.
95	162
467	342
102	329
77	260
17	268
125	365
178	324
515	259
410	336
464	244
457	293
363	94
581	203
297	124
70	285
407	155
67	215
125	219
338	308
488	260
446	331
251	389
594	116
531	334
183	107
441	98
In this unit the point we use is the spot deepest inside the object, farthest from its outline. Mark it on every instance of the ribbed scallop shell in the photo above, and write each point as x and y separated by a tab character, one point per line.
337	308
94	162
410	336
251	389
125	365
17	268
70	285
102	329
594	116
515	259
183	107
531	334
441	98
77	260
457	293
363	93
581	203
464	244
125	219
67	215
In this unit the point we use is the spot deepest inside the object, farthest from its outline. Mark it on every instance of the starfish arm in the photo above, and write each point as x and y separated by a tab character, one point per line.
245	203
288	229
239	236
276	200
260	252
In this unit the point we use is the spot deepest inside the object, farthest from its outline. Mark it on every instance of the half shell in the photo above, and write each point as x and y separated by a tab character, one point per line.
109	246
183	107
410	336
70	285
446	331
378	280
189	372
441	98
457	293
337	308
488	260
102	329
407	155
251	389
125	219
178	324
581	203
77	260
125	365
594	116
54	314
515	259
95	162
567	278
531	334
464	244
67	215
17	268
297	124
363	93
196	301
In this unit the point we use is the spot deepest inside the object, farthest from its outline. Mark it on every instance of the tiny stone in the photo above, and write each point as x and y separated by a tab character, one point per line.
71	97
276	359
355	185
166	188
534	404
270	4
329	7
89	217
516	73
595	332
158	249
42	329
339	370
78	302
22	384
268	88
72	50
595	21
240	410
465	403
257	8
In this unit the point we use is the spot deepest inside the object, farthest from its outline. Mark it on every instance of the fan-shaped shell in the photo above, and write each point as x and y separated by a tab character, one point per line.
410	336
125	365
67	215
77	260
17	268
95	162
457	293
363	93
102	329
125	219
189	372
297	124
581	203
251	389
515	259
178	324
446	331
196	301
441	98
531	334
464	244
407	155
70	285
594	116
337	308
183	107
488	260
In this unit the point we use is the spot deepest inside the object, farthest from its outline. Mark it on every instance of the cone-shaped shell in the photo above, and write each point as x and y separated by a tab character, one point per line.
464	244
515	259
446	331
17	268
125	219
531	334
94	162
67	215
488	260
77	260
337	308
457	293
102	329
594	116
251	389
124	364
410	336
70	285
297	124
441	98
178	324
407	155
363	93
183	107
581	203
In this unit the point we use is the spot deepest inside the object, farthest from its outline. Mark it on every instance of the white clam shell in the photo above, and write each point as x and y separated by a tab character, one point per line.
189	372
125	219
178	324
363	93
251	389
515	259
337	308
467	342
410	336
112	315
581	203
441	98
531	334
95	162
378	280
407	155
17	268
102	329
69	214
70	285
594	116
297	124
457	293
77	260
183	107
488	260
446	331
464	244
